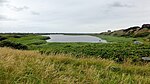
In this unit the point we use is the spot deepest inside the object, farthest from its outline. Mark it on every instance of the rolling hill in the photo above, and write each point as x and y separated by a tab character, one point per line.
135	31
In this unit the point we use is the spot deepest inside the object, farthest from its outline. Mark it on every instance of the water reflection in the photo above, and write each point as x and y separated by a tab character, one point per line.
75	38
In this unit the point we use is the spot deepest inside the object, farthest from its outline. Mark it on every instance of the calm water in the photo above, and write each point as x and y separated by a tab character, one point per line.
75	38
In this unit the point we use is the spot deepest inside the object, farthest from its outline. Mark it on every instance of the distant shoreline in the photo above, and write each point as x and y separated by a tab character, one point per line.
54	33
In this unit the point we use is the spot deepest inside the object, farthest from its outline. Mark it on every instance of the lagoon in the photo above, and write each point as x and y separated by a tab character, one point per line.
75	38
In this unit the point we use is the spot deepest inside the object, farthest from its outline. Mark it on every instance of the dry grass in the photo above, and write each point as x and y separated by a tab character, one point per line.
30	67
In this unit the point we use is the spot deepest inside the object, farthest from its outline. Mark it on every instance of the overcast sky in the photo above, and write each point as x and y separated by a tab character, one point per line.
72	15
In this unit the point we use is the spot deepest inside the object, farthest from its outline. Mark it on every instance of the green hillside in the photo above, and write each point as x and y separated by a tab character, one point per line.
135	31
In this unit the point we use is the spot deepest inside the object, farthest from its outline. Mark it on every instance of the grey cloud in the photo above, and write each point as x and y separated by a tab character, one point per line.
21	8
2	2
18	9
119	4
35	13
4	18
74	15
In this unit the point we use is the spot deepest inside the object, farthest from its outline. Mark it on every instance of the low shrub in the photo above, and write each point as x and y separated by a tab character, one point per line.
16	36
45	38
144	34
13	45
115	51
2	38
148	37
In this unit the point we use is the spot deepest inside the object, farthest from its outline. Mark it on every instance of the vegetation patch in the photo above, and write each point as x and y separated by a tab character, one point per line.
115	62
31	67
13	45
2	38
115	51
118	49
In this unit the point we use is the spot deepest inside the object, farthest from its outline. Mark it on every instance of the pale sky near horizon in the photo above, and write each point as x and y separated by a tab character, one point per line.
72	15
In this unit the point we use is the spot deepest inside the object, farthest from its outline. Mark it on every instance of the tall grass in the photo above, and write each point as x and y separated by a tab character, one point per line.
17	66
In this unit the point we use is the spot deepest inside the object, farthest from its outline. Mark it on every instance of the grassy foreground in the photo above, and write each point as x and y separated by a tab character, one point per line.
31	67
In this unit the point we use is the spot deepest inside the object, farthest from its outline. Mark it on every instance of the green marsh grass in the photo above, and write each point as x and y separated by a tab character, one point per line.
115	51
118	48
29	39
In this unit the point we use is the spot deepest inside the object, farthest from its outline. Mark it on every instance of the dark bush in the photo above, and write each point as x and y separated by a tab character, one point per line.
2	38
13	45
146	26
142	34
16	36
45	38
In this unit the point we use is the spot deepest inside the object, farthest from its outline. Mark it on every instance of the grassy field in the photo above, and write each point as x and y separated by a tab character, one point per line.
30	67
118	49
27	39
116	39
116	62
